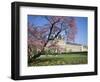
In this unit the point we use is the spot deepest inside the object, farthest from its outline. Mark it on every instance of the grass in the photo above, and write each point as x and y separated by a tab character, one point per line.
63	59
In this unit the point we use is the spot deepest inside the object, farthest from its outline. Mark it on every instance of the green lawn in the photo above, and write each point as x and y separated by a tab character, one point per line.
63	59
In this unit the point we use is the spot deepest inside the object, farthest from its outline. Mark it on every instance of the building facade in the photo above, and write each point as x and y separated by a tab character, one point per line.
67	47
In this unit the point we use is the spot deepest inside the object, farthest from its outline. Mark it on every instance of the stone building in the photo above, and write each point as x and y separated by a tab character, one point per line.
68	47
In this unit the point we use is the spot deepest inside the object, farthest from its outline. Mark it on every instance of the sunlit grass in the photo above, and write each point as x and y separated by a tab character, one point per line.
63	59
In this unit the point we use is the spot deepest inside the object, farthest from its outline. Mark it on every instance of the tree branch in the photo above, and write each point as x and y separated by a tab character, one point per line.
50	33
57	33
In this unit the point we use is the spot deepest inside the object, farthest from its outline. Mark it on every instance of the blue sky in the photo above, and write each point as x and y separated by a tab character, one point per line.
81	22
82	30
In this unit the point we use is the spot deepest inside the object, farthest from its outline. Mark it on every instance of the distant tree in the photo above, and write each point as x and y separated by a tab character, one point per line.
57	26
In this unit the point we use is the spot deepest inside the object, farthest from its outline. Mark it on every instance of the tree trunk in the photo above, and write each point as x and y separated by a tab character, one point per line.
37	55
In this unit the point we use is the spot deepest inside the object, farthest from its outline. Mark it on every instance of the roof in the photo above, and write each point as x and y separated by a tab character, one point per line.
74	43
